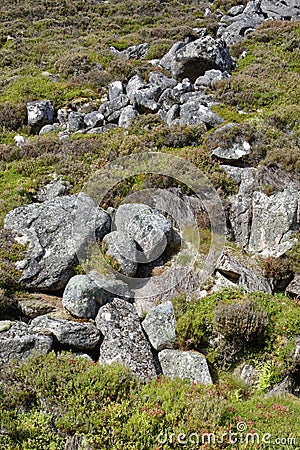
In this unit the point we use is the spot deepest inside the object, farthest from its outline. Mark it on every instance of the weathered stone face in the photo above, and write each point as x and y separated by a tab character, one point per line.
48	228
17	341
124	340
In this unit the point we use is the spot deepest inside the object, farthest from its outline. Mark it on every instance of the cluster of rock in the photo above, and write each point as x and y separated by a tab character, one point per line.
117	335
178	99
241	20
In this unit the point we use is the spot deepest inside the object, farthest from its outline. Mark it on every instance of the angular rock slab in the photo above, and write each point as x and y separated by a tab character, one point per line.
159	325
243	271
124	340
293	288
185	365
18	342
194	58
84	336
53	243
123	250
147	227
39	113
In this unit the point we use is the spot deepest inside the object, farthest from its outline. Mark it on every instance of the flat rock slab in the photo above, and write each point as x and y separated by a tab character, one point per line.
159	325
185	365
124	340
81	335
17	341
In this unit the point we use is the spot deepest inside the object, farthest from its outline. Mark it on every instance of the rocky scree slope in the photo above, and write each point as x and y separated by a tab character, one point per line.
184	87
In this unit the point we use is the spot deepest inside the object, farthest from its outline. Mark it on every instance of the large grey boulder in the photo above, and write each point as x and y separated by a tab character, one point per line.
147	227
158	79
85	294
145	100
40	113
281	9
127	116
53	243
124	341
123	250
115	89
193	113
17	341
264	224
159	325
209	78
81	335
274	219
93	119
133	86
75	121
243	271
193	59
185	365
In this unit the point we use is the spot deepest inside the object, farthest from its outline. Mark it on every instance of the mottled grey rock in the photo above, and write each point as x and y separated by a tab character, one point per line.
93	119
274	219
124	340
49	191
75	121
146	100
190	365
173	115
111	110
286	386
133	86
243	271
281	9
133	52
210	77
82	297
40	113
19	342
85	294
49	128
234	153
293	288
149	228
193	113
62	116
158	79
159	325
195	58
127	115
115	89
167	59
249	375
82	335
53	243
123	249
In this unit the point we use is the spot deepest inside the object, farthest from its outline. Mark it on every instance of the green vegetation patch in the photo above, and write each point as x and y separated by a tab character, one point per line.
48	399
